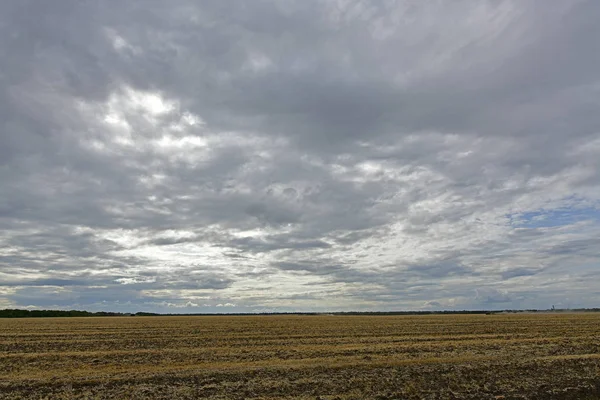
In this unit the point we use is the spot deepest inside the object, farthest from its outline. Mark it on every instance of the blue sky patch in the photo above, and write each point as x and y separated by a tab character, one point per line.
557	217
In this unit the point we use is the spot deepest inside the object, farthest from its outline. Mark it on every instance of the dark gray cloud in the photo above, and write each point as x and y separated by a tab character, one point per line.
297	155
518	272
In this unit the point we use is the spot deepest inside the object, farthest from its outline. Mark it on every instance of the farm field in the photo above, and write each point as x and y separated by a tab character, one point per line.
502	356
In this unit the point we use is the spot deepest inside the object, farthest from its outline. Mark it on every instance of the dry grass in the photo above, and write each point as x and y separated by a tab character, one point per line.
537	356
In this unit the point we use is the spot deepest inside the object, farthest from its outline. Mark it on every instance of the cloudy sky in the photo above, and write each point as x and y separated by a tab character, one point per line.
239	156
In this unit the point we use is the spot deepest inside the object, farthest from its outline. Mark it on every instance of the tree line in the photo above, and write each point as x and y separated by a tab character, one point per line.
16	313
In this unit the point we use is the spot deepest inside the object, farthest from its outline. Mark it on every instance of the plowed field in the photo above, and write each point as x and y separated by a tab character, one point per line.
512	356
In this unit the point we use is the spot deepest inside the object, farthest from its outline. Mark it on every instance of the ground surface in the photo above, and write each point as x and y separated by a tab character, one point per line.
534	356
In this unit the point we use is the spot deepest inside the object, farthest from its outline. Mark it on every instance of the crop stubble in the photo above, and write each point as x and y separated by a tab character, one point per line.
537	356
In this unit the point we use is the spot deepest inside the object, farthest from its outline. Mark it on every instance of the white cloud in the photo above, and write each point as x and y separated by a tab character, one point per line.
300	156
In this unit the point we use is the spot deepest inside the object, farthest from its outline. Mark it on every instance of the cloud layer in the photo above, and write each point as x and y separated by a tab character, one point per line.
291	155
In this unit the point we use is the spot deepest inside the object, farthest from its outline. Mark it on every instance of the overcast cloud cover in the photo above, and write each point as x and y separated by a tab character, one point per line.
239	156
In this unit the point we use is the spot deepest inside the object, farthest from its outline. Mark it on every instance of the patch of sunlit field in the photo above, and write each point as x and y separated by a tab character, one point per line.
510	356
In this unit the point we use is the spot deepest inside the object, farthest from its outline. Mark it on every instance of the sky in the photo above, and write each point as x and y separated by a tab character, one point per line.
263	156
